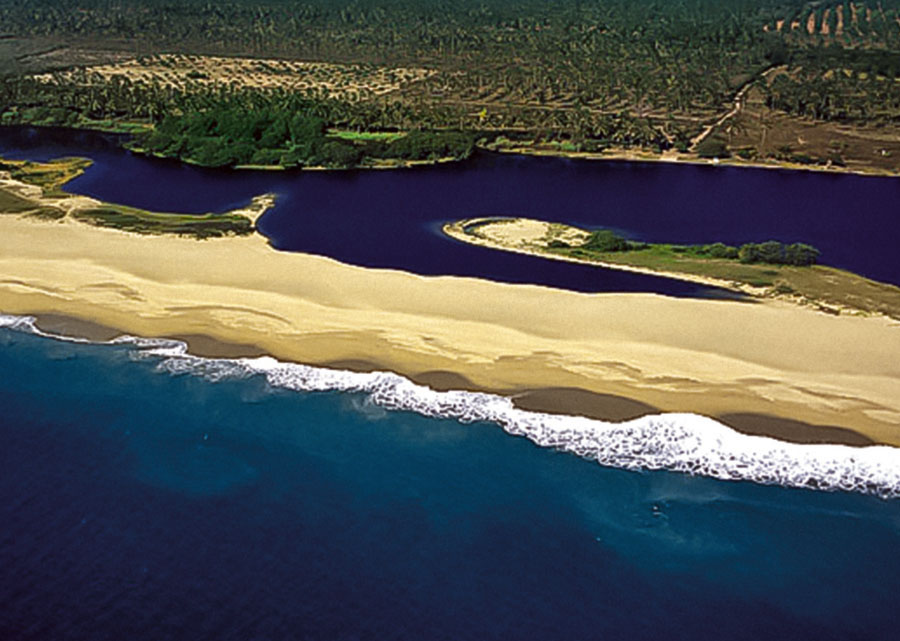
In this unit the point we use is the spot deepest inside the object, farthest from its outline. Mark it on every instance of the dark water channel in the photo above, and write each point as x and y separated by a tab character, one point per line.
392	219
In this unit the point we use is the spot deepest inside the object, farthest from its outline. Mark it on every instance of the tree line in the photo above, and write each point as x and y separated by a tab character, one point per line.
770	252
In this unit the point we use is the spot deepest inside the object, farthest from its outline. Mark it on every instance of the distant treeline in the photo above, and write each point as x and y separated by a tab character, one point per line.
771	252
590	73
628	71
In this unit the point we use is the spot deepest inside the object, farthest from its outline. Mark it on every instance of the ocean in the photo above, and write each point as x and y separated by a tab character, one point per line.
146	494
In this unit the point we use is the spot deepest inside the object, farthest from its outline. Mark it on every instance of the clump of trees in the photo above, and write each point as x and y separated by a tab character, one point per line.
605	240
771	252
713	147
228	135
775	253
719	250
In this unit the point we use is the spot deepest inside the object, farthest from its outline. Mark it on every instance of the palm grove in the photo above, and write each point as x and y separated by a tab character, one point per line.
635	73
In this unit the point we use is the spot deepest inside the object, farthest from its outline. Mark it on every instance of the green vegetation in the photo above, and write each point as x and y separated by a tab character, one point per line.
775	253
825	288
145	222
625	73
51	204
713	147
12	204
50	176
770	253
604	240
566	76
672	259
352	136
230	134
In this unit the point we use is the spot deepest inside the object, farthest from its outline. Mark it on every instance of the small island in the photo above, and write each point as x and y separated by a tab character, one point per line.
769	269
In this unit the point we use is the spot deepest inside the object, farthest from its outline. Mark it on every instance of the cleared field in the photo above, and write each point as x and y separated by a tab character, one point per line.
352	82
35	55
760	133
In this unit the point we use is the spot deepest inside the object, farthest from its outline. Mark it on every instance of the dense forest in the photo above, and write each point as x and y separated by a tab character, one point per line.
232	134
593	74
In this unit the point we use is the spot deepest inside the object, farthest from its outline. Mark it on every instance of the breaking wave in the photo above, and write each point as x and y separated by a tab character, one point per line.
686	443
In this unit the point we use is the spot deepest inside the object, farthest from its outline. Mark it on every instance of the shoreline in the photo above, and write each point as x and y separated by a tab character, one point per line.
678	158
678	355
828	290
453	231
614	154
545	400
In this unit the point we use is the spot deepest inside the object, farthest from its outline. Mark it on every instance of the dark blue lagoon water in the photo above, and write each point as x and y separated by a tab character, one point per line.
237	509
392	218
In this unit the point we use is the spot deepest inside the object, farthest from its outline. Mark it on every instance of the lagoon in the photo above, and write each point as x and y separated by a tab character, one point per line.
392	218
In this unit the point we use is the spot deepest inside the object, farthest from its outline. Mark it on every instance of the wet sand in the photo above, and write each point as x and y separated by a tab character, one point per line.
605	355
551	400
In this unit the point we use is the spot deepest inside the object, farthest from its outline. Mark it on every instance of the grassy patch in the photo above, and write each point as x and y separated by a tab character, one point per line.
364	136
50	176
145	222
832	289
47	213
12	204
662	257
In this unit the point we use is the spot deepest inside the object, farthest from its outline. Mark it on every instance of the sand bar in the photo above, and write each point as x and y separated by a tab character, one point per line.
703	356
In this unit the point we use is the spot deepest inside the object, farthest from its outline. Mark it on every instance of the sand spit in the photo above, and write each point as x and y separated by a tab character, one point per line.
701	356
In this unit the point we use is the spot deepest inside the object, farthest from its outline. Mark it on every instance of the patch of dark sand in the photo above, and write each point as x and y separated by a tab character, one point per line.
75	328
443	381
786	429
552	400
354	365
208	347
568	400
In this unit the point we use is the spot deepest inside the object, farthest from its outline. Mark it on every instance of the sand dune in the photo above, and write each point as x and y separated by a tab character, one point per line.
709	357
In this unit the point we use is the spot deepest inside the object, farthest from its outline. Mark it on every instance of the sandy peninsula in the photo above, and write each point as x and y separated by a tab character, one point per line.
719	358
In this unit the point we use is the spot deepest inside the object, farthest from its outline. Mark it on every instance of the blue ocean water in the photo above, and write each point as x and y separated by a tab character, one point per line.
393	218
138	504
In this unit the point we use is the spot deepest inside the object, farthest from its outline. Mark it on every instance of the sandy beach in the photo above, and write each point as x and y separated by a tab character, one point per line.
640	352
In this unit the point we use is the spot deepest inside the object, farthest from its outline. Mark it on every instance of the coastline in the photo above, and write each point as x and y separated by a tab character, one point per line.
546	400
671	354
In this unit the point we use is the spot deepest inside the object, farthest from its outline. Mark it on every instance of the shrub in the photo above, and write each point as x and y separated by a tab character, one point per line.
775	253
801	254
605	240
713	147
720	250
338	154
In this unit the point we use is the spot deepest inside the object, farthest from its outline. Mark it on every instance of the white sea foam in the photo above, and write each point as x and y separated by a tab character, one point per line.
679	442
